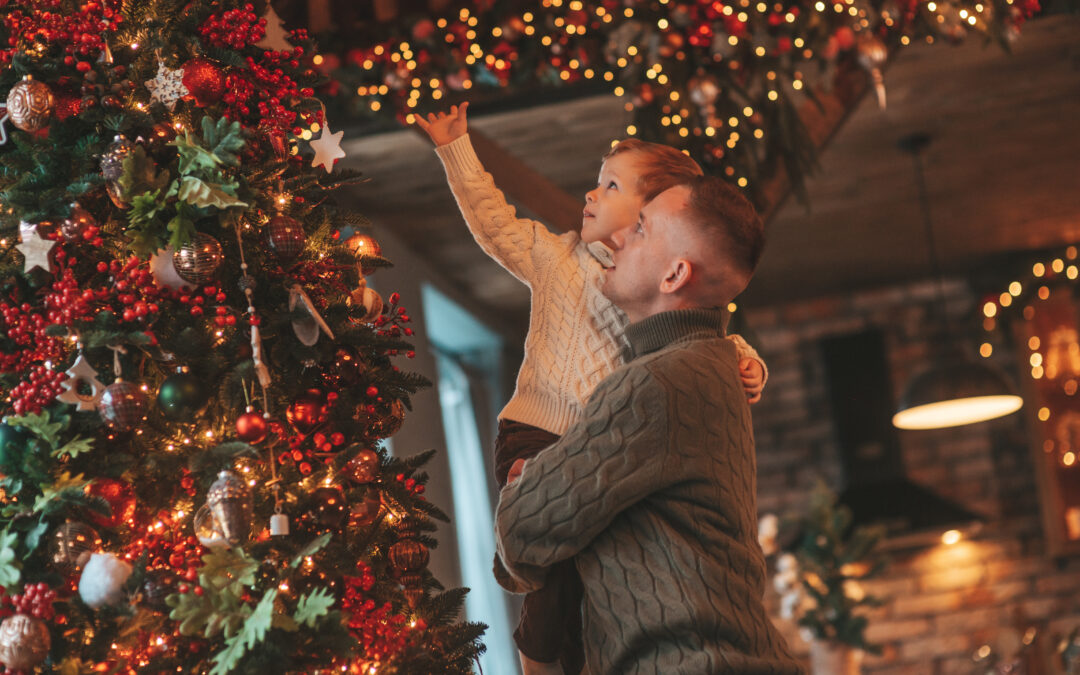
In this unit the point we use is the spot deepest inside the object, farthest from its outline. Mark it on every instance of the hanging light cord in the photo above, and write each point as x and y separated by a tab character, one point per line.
915	144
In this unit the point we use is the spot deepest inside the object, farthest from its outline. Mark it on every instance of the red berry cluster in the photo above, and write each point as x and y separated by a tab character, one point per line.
223	316
134	288
80	32
410	484
319	277
381	632
391	323
236	28
258	95
35	600
26	329
38	390
168	548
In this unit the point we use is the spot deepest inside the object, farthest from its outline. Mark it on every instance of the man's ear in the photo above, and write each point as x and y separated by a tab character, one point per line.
678	276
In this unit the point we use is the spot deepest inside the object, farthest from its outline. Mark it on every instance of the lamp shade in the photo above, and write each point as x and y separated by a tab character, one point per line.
954	395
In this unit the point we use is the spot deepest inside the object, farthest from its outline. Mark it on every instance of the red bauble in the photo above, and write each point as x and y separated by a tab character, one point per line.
285	237
251	427
308	411
329	509
362	246
363	468
123	405
364	512
119	496
205	81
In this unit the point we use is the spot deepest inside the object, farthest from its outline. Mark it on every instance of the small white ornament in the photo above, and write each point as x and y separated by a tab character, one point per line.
167	87
36	250
768	530
161	268
279	525
102	581
82	373
327	148
275	38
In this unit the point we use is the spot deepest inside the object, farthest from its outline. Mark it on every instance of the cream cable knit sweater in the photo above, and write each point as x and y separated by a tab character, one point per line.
575	335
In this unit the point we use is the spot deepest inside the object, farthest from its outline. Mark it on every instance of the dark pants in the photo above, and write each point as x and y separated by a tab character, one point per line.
550	625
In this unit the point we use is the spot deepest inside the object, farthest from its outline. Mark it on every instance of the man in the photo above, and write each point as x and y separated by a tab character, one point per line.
653	492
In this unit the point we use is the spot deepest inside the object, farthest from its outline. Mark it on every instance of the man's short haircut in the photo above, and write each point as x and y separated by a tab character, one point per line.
662	166
731	226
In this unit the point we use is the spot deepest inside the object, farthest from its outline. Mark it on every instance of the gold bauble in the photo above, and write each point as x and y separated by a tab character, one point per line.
24	642
30	105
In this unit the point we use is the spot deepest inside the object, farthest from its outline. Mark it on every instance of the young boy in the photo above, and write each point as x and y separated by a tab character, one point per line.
575	334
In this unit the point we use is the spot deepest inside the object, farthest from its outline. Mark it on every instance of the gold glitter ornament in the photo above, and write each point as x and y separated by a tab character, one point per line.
24	642
30	105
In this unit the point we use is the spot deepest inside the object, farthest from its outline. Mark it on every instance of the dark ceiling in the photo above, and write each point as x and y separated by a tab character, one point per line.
1002	174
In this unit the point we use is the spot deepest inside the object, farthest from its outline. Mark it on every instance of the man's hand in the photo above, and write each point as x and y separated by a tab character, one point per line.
753	376
515	471
445	127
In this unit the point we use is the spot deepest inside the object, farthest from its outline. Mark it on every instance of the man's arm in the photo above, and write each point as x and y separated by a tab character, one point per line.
571	491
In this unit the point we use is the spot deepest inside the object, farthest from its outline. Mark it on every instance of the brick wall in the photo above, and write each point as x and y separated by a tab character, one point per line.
942	602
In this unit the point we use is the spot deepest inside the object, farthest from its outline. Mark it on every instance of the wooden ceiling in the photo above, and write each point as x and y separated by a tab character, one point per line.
1002	173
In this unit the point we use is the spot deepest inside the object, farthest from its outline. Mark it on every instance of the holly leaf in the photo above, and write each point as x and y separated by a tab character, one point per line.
202	194
312	606
182	227
140	175
75	448
225	138
228	569
194	612
193	157
34	535
144	208
253	632
41	425
312	548
9	569
57	489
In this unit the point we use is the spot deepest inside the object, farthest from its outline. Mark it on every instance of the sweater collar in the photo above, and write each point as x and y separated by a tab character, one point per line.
601	252
665	328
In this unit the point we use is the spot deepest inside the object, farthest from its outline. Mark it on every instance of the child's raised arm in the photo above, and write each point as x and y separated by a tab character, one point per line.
522	246
443	127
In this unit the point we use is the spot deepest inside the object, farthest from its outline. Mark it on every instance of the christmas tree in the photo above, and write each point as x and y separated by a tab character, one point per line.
196	378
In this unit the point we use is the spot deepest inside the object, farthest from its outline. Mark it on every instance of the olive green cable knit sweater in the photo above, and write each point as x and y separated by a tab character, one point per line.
653	493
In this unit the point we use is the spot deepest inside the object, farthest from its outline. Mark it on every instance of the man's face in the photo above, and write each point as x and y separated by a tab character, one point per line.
644	253
614	203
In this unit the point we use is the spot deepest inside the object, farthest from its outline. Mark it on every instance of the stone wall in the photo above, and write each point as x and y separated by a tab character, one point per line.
943	603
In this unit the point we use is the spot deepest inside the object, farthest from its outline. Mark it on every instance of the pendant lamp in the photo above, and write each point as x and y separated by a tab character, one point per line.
961	391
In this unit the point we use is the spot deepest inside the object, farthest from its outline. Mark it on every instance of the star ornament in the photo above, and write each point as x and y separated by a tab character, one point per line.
167	87
81	376
327	148
35	250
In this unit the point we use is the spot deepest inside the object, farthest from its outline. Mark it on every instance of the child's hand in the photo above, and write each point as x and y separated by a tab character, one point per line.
515	471
753	376
445	127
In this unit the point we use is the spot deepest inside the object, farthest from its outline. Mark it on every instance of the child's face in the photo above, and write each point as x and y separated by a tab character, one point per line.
615	202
